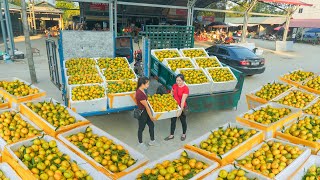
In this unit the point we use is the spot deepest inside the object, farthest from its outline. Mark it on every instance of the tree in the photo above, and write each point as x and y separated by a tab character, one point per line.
69	9
15	2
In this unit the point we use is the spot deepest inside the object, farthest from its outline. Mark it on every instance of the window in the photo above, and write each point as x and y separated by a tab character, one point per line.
223	52
300	10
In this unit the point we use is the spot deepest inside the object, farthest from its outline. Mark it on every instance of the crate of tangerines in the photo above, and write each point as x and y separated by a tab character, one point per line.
296	77
226	143
104	152
309	170
44	157
163	106
51	116
178	63
269	117
274	159
197	80
302	130
16	91
194	52
181	164
121	93
265	93
4	104
222	79
312	84
87	98
161	54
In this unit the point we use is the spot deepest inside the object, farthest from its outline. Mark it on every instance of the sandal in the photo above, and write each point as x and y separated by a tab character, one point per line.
168	138
183	137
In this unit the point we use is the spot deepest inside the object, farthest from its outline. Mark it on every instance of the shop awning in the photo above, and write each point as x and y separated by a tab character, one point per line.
305	23
292	2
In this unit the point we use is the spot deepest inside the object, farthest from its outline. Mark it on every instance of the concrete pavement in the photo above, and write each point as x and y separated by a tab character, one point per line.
124	127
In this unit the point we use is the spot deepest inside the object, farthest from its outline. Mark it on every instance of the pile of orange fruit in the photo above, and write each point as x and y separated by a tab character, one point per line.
162	103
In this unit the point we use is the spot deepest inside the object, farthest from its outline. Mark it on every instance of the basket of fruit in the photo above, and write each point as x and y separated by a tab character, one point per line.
313	108
296	77
6	172
119	74
303	130
16	91
4	104
78	62
178	63
181	164
197	80
46	158
15	128
52	116
207	62
194	52
85	79
274	159
222	79
237	140
87	98
233	172
312	85
121	93
81	70
163	106
117	158
265	93
113	63
295	97
309	170
161	54
269	117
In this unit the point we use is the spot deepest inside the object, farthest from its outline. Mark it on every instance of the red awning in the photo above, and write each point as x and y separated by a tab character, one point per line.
293	2
279	28
305	23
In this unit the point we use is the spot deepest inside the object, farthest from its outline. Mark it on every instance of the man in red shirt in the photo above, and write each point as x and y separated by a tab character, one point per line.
180	93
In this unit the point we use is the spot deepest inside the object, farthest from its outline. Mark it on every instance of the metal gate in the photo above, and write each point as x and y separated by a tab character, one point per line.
53	62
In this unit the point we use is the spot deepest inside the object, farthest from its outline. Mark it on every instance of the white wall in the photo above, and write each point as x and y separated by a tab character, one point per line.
309	12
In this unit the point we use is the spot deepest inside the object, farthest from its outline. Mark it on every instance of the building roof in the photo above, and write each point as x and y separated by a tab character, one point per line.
256	20
13	7
46	7
305	23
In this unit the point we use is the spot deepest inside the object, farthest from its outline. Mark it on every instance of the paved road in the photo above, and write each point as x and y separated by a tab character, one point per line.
124	127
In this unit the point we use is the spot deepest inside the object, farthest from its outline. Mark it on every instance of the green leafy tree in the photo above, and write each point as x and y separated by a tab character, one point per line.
69	9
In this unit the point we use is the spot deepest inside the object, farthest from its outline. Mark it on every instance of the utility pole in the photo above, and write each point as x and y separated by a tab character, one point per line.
29	54
3	29
9	28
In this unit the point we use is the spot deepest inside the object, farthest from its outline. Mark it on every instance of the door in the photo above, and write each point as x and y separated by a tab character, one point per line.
223	55
53	63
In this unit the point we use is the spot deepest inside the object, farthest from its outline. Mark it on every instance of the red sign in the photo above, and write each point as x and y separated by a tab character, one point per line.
181	12
208	18
98	6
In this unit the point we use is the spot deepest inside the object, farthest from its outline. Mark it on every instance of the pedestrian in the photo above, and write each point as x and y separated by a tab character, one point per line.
180	92
146	117
294	37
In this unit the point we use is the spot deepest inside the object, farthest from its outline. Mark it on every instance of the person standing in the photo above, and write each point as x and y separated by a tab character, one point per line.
294	37
180	93
146	117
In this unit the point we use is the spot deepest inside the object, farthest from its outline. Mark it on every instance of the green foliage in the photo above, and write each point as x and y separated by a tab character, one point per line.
68	9
15	2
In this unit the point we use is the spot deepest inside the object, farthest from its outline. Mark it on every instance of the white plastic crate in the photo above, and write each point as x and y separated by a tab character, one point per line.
195	89
276	99
106	80
165	62
97	58
211	57
294	82
99	74
164	115
293	167
225	126
120	100
73	157
183	55
312	160
269	134
9	172
153	51
229	168
173	156
89	105
140	158
3	143
222	86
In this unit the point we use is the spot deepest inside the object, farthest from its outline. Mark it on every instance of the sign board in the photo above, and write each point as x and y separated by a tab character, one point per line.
178	12
98	7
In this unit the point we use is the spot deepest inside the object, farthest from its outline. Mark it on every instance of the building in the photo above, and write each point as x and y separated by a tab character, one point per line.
15	15
308	12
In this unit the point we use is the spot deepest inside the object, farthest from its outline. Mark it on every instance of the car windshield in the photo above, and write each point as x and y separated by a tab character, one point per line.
243	53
